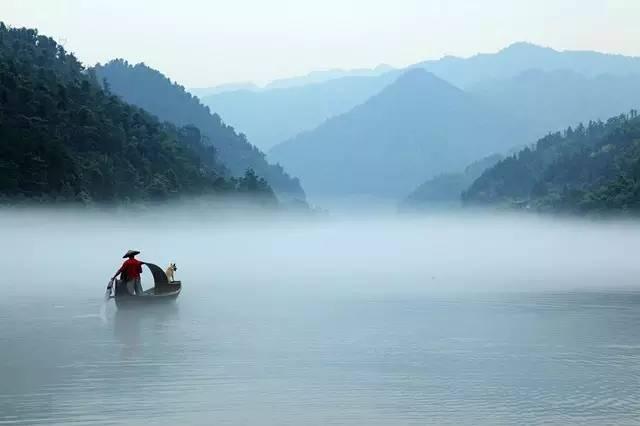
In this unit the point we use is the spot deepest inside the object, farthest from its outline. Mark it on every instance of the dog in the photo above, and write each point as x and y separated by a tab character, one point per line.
170	270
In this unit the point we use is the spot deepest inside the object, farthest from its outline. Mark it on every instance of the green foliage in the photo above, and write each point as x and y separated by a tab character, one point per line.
151	90
251	183
65	138
593	168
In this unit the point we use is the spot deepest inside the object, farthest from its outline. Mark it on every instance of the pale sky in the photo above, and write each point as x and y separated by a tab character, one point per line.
203	43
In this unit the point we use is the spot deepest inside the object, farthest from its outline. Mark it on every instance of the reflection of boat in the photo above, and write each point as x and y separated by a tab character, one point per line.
137	325
163	291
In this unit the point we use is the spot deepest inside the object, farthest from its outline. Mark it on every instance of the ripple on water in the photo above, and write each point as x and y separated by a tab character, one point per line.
518	359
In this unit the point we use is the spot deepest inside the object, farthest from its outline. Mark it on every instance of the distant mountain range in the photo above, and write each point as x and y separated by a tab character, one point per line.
263	114
314	77
534	89
271	116
521	57
551	100
417	127
201	92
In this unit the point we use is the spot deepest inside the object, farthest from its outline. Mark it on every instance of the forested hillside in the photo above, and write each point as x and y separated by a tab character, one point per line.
64	138
586	169
416	128
151	90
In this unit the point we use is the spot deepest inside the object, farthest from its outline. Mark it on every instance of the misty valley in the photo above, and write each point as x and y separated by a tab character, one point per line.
450	240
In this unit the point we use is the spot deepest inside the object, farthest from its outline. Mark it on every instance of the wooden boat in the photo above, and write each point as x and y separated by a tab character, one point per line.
163	291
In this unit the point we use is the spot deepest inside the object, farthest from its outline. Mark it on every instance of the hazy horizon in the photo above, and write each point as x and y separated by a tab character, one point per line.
255	42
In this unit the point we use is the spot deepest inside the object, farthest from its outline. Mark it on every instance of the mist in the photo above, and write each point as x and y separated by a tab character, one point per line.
299	319
287	253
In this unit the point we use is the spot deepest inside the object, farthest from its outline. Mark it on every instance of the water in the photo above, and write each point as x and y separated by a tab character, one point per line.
377	322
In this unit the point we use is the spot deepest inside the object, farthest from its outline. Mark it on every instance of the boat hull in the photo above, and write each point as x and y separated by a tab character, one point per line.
158	295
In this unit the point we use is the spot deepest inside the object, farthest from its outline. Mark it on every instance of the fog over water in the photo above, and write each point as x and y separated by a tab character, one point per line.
393	319
390	253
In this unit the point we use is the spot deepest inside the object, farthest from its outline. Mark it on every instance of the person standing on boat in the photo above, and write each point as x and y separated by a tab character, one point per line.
130	272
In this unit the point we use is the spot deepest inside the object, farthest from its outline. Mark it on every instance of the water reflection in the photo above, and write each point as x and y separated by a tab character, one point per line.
133	325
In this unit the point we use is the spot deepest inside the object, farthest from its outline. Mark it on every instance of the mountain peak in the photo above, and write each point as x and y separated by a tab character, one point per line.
420	79
413	73
418	75
525	47
419	126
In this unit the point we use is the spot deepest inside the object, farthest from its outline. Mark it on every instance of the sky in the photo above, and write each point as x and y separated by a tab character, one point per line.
201	43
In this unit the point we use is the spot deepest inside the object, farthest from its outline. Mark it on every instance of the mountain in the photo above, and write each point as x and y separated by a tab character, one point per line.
416	128
271	116
63	138
520	57
446	190
555	99
230	87
151	90
290	106
586	169
316	77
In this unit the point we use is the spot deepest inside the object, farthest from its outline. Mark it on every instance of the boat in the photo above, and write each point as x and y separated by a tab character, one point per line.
163	291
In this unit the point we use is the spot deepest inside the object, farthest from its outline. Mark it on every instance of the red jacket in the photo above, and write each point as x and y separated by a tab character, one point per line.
130	269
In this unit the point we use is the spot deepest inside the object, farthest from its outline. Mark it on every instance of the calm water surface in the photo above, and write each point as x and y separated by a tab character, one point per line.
244	345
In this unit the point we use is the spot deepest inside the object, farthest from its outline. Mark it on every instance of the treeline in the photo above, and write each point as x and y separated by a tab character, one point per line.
65	138
592	168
